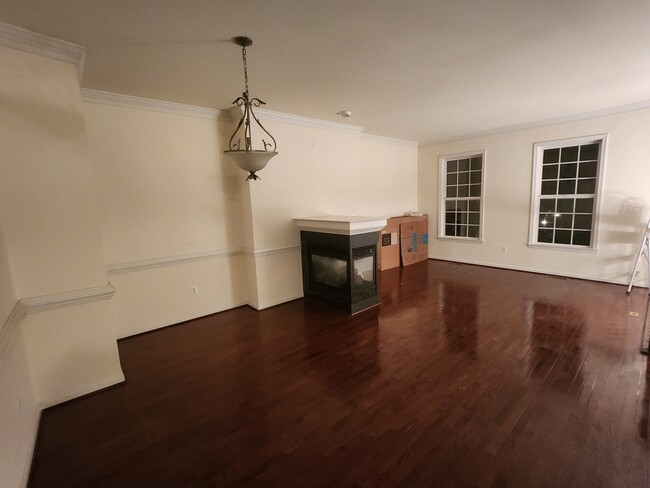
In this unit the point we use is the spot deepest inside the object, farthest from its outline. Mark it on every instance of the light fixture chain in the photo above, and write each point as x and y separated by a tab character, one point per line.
243	50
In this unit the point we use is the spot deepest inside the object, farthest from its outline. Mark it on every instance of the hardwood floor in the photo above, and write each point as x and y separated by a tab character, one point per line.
465	376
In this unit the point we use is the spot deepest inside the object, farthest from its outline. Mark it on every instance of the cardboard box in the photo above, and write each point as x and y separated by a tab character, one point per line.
389	246
414	240
394	244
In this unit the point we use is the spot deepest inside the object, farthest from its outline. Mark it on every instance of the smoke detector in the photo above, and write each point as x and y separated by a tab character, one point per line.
344	113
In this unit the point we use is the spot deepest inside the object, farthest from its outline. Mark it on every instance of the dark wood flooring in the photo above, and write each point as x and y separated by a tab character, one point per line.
465	376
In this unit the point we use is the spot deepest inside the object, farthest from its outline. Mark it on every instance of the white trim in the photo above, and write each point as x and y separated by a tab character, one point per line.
529	270
563	247
34	43
9	328
129	266
278	302
142	264
442	194
67	298
341	224
89	95
594	114
36	422
535	192
471	240
270	251
389	140
129	101
146	329
85	390
306	121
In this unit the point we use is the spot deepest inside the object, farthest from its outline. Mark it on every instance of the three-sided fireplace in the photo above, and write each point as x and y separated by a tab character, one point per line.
339	260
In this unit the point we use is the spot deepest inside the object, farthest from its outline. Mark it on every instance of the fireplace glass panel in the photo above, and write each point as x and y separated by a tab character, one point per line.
329	271
364	270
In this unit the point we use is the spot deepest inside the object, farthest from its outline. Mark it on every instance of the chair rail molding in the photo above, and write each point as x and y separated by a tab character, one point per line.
141	264
9	328
67	298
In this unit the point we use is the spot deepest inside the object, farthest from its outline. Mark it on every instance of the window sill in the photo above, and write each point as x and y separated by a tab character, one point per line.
560	247
472	240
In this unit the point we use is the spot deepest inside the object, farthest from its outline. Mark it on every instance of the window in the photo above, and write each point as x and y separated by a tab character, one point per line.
461	196
566	186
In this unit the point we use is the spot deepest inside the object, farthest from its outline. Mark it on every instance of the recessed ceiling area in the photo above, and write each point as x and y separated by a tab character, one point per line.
420	70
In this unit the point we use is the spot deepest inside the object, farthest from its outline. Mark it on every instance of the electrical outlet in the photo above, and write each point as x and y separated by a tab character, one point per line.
194	290
504	249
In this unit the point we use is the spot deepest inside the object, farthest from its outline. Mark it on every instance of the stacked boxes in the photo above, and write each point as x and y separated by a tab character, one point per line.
404	240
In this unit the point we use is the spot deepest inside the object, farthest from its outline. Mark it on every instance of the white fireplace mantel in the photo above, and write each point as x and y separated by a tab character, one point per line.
348	225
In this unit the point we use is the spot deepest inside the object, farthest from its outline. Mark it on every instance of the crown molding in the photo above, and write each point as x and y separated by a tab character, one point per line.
31	42
306	121
67	298
129	101
90	95
389	140
594	114
129	266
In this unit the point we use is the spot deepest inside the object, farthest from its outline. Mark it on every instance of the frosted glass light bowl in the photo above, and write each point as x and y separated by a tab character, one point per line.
251	161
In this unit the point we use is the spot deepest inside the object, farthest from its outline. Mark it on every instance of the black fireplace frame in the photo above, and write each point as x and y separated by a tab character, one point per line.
350	298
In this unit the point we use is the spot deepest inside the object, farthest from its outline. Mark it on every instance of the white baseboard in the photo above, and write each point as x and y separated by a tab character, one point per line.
527	270
277	302
149	328
32	450
84	390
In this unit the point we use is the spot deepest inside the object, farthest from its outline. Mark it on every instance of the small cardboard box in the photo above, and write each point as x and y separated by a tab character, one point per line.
389	246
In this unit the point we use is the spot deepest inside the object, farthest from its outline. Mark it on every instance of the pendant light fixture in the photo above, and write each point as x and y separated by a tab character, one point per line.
247	158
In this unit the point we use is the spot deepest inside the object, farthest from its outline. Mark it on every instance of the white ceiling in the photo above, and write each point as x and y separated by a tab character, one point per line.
412	69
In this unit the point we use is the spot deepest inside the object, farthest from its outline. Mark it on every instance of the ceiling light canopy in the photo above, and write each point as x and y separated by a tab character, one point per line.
246	157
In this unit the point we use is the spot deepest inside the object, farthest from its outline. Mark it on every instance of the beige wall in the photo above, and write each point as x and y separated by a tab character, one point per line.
50	222
50	250
7	291
47	199
170	208
509	160
19	414
163	185
320	172
18	409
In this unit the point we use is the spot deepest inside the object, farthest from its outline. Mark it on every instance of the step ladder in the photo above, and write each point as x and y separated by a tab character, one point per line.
644	250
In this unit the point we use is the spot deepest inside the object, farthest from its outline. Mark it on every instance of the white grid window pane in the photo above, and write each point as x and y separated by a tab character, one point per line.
462	190
566	189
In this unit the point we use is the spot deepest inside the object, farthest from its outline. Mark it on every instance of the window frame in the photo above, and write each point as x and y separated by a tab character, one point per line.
442	192
536	190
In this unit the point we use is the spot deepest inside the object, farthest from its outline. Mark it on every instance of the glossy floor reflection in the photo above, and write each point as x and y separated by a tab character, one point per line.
465	376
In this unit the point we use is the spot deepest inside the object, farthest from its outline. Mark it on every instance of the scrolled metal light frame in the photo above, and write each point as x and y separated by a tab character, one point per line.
247	158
